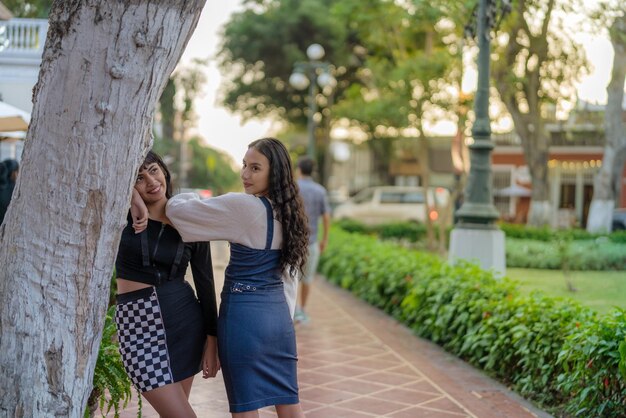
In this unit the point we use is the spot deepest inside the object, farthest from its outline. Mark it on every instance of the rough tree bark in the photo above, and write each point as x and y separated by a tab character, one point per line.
535	142
536	146
604	193
523	94
104	66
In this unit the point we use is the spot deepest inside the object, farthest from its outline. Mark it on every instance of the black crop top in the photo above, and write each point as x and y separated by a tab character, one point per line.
158	254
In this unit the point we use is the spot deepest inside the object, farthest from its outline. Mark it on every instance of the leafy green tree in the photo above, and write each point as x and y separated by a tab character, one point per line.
405	66
607	183
404	79
260	46
208	167
167	110
190	78
538	63
212	169
377	46
29	8
192	163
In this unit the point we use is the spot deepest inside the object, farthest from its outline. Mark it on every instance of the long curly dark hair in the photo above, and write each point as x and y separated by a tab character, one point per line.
288	206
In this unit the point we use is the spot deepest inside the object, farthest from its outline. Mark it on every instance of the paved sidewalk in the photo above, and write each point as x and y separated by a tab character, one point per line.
355	361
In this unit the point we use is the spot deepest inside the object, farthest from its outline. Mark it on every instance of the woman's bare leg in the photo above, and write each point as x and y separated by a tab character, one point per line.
170	401
289	411
187	385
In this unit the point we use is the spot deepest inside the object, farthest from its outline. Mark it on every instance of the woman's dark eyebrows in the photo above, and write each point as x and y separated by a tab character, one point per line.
146	167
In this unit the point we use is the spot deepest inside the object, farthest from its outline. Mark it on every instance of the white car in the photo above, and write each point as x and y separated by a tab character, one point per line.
385	204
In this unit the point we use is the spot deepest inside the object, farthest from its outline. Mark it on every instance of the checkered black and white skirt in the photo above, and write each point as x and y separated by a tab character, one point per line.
160	334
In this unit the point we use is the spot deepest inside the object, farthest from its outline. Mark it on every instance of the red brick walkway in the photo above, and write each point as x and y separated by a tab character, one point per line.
355	361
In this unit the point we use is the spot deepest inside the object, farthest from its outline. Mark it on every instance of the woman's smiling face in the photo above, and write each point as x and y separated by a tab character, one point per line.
151	184
255	173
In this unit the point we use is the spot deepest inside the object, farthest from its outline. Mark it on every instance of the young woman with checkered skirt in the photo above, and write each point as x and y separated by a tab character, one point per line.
268	236
166	333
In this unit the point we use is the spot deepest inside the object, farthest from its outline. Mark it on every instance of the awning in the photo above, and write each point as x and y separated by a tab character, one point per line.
12	119
514	190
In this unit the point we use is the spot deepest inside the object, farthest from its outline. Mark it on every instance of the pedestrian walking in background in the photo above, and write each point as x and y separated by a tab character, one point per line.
316	206
268	235
166	333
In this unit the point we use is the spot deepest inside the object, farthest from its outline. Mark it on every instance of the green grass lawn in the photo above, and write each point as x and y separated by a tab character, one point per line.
600	290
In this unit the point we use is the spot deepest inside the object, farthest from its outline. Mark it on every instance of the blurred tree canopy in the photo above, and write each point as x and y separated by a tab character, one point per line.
34	9
212	169
405	76
208	167
260	46
406	65
391	63
192	163
538	64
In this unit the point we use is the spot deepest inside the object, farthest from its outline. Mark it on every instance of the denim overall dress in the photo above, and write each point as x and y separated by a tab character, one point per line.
256	337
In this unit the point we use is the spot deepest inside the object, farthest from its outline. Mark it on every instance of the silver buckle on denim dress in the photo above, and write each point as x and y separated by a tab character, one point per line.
241	288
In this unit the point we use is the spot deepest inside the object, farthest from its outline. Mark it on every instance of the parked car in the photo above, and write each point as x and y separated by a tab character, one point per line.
619	219
383	204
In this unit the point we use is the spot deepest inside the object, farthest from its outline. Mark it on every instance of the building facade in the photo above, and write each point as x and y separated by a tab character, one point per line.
21	48
575	157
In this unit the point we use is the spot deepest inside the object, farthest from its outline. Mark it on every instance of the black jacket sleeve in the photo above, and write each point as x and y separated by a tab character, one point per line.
202	270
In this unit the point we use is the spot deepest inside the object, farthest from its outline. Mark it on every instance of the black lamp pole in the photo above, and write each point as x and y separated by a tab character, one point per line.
478	209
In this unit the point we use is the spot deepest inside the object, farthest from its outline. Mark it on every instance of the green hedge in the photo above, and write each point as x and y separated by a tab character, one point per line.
547	234
598	254
527	247
550	350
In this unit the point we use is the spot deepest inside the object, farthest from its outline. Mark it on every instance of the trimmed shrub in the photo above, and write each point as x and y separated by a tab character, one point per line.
526	247
596	254
538	345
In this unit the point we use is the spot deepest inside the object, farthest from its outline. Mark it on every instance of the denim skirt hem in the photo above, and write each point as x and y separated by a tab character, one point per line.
252	406
257	349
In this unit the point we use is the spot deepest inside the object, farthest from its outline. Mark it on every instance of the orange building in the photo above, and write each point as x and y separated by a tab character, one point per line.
576	153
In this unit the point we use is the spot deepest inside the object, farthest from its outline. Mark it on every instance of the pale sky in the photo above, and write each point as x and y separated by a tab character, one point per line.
220	128
224	131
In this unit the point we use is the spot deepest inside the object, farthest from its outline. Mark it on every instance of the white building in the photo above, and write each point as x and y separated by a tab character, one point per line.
21	47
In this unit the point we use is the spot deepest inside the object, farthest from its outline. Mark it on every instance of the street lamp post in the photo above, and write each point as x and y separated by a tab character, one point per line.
476	236
310	74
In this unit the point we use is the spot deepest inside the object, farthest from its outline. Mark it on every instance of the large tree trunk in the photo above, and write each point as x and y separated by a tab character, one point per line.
536	153
524	96
168	110
601	210
104	66
381	149
536	146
